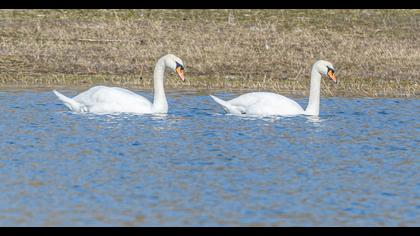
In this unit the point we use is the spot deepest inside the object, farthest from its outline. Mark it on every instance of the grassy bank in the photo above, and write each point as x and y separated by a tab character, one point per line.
376	52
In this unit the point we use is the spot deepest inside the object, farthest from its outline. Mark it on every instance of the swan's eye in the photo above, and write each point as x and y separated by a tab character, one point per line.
179	65
330	69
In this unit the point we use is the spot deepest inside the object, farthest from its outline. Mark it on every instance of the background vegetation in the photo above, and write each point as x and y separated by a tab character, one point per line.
375	52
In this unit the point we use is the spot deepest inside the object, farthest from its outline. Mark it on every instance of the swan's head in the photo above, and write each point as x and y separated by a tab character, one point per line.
175	64
325	68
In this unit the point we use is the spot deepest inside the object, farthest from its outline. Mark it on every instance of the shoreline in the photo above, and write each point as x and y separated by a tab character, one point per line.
374	88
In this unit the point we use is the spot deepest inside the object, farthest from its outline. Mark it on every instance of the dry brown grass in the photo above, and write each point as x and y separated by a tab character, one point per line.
376	52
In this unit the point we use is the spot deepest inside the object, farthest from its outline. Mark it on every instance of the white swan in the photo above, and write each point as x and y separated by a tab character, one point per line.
103	99
266	104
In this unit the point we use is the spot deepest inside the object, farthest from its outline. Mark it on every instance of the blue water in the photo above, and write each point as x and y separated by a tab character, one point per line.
356	165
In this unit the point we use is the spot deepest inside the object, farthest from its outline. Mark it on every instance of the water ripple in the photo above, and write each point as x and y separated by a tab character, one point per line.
355	165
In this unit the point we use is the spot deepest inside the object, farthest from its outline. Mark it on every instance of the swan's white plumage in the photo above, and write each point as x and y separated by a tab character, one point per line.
266	103
113	99
261	103
103	99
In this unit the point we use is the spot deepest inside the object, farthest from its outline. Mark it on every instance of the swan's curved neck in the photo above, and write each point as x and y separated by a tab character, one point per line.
160	104
314	94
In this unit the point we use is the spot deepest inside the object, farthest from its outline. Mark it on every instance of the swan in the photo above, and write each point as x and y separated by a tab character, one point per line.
105	100
266	103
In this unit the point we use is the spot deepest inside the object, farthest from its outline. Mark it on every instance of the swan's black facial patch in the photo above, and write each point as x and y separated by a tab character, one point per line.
179	65
330	69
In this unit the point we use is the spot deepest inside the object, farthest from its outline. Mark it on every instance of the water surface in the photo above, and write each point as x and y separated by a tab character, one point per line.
355	165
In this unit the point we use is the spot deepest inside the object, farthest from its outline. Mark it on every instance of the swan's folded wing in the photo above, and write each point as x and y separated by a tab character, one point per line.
266	103
111	95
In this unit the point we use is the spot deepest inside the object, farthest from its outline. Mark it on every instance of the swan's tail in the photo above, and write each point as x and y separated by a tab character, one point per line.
226	106
71	103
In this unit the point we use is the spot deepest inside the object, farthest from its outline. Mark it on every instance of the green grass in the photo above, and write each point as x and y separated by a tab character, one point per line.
375	52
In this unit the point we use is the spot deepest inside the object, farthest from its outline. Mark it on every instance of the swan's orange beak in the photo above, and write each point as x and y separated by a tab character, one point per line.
180	73
332	76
